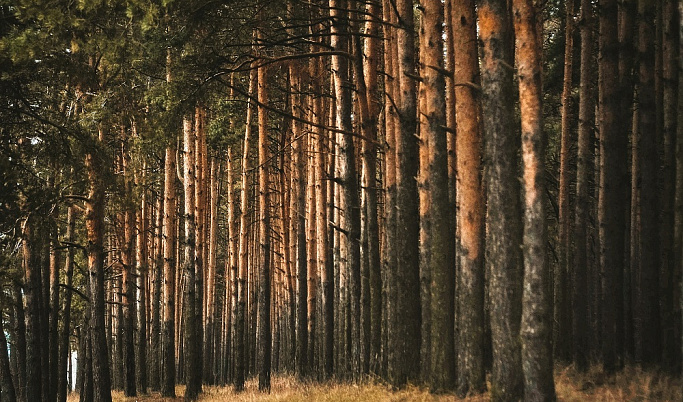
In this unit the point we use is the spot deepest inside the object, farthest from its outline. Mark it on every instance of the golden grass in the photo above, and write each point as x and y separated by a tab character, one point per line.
631	384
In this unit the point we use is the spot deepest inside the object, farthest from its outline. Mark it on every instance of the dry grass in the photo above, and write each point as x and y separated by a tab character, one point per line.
631	384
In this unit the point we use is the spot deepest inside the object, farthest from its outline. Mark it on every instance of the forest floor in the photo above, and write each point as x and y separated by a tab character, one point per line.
631	384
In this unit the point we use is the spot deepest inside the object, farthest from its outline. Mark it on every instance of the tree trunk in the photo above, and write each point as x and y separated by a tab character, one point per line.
264	296
155	341
627	14
94	223
168	345
142	273
440	266
240	328
192	345
536	330
670	321
611	213
404	329
580	295
8	393
470	199
64	344
19	333
504	231
562	303
128	278
648	350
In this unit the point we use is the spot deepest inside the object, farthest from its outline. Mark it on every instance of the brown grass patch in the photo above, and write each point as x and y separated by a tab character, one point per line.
631	384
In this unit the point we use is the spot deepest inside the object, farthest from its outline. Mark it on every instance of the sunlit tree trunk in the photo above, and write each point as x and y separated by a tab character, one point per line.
470	199
536	329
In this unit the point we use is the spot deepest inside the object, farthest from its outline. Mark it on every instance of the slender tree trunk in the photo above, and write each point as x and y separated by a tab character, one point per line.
240	333
440	266
611	213
20	340
404	331
536	330
32	290
64	345
390	119
562	298
580	295
670	321
8	393
157	286
128	278
169	240
470	199
504	231
264	336
678	204
627	14
648	349
94	223
192	346
142	273
301	183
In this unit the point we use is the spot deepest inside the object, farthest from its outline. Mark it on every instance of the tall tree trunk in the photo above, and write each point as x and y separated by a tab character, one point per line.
168	344
8	393
441	263
404	331
142	273
301	184
94	223
627	14
192	345
470	199
670	321
128	278
32	290
53	295
562	303
64	344
240	328
211	332
155	341
369	201
504	231
611	213
678	207
648	350
264	294
200	235
233	244
536	330
347	171
580	295
390	129
19	334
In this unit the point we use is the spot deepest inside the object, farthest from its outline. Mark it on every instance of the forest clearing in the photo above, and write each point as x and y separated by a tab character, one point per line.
341	200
